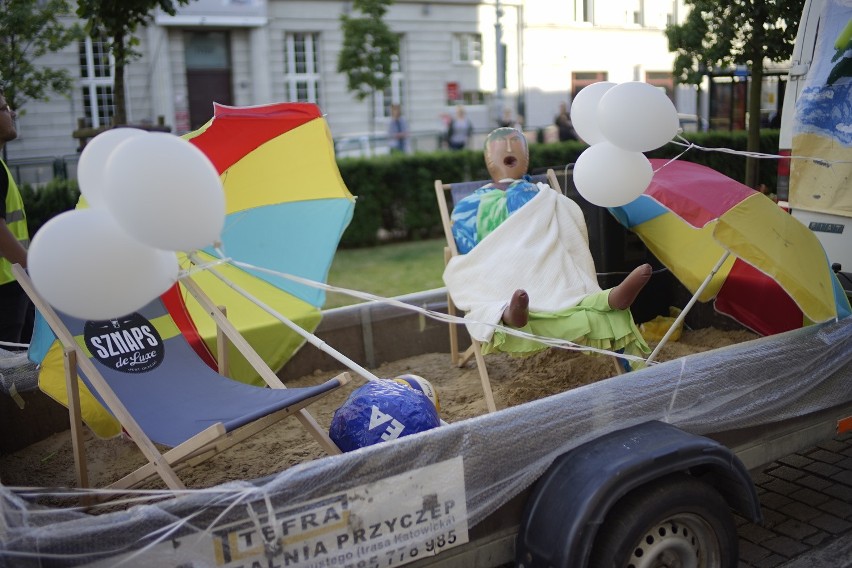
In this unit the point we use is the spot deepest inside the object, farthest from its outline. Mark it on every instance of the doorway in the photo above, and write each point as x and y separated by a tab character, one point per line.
208	73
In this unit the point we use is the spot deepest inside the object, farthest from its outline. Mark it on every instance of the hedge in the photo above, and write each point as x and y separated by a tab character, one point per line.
395	194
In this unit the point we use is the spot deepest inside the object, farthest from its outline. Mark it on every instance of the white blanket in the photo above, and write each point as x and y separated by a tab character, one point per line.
542	248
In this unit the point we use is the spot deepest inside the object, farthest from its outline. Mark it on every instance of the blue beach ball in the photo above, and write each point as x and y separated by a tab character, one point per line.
381	411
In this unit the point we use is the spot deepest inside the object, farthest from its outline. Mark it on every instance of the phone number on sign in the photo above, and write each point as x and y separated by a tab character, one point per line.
409	553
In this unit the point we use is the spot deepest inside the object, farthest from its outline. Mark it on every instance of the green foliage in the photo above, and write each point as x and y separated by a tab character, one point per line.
389	270
48	201
396	193
718	35
369	47
28	31
118	21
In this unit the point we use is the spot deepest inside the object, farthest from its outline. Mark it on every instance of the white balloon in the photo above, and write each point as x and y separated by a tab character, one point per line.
165	192
90	167
83	264
584	111
637	116
608	176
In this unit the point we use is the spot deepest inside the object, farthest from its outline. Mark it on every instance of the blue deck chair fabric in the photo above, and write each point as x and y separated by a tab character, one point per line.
167	388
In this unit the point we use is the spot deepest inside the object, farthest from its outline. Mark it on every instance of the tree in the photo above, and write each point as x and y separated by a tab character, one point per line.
719	35
369	48
117	21
28	31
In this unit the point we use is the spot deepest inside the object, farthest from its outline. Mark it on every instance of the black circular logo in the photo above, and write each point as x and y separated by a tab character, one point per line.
129	344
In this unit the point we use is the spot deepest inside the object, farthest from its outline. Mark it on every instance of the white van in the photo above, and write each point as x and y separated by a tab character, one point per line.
816	129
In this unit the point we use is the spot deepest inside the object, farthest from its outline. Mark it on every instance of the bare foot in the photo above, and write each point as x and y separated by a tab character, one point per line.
622	296
517	313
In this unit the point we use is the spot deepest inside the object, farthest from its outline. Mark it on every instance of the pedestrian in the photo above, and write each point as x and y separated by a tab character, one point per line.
460	130
564	125
15	308
397	131
509	122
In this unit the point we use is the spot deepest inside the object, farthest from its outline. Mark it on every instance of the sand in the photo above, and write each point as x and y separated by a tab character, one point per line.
50	463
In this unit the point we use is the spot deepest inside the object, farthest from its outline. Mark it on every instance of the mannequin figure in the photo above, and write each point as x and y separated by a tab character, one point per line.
539	259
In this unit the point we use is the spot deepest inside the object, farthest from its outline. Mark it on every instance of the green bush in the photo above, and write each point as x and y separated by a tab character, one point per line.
395	194
41	204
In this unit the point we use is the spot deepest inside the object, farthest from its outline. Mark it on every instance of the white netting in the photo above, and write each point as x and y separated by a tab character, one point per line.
759	382
17	373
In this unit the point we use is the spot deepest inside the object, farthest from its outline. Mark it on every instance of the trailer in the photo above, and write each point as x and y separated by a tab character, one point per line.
583	478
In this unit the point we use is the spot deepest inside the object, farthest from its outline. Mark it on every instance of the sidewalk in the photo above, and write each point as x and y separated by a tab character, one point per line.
807	509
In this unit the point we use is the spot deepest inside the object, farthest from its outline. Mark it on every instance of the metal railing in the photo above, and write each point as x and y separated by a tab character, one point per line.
39	171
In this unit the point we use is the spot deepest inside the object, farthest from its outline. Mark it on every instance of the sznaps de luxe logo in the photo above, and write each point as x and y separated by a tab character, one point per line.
129	344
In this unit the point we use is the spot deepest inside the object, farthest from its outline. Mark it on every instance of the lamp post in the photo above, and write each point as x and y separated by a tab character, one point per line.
501	64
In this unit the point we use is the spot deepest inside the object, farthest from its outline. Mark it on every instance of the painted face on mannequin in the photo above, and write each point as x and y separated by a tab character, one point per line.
506	154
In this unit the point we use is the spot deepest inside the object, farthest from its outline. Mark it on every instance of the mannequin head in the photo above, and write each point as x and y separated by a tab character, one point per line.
506	154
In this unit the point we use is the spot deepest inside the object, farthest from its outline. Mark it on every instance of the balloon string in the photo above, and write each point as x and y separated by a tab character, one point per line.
690	145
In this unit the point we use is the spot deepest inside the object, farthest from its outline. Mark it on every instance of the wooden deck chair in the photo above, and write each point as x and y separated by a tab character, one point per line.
448	194
143	370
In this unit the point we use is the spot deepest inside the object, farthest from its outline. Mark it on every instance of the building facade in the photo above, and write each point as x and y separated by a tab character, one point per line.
525	55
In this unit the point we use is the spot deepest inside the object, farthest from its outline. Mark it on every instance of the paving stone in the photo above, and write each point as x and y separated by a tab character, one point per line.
837	508
839	492
785	546
796	529
806	501
817	538
780	486
833	445
775	500
751	553
796	460
787	473
770	561
814	482
755	533
809	496
824	469
772	518
832	524
800	511
762	477
824	456
844	477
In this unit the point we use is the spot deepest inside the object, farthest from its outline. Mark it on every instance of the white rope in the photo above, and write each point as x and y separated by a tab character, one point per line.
439	316
759	155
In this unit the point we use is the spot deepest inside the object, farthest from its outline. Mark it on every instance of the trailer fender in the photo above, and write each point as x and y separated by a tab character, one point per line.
570	501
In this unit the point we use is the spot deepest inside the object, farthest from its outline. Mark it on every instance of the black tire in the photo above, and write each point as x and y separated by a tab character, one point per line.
673	522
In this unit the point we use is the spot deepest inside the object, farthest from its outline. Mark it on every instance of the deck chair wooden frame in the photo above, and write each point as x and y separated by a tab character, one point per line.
447	198
194	450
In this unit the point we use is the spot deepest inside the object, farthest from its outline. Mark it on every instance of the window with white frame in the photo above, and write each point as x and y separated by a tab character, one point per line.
467	48
635	13
393	94
96	82
583	10
301	67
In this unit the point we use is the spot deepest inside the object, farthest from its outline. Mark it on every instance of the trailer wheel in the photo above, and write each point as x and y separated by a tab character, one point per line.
673	522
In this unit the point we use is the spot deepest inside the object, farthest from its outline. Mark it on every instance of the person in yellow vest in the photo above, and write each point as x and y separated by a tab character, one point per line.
14	240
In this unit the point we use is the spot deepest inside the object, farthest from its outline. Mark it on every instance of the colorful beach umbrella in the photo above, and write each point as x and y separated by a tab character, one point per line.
286	209
771	272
